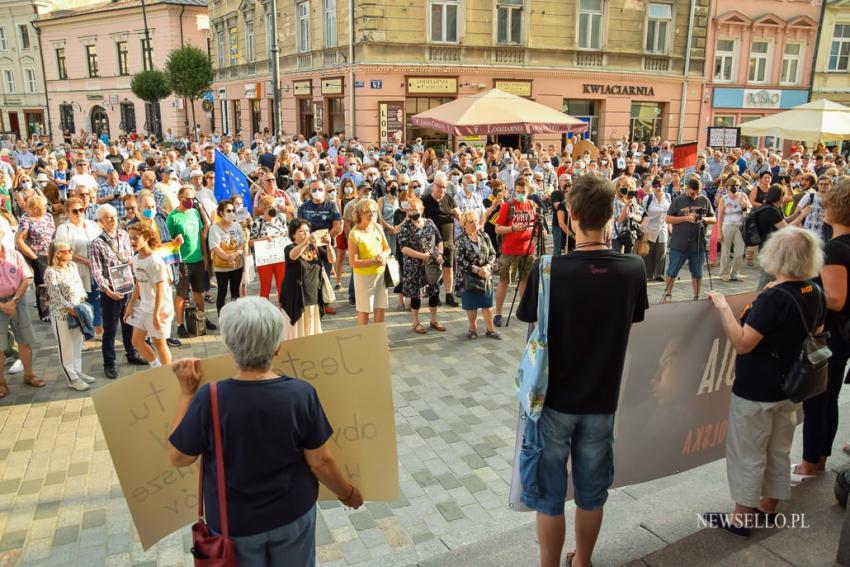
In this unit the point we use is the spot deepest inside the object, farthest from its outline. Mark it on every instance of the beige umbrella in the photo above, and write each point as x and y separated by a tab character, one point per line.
817	121
496	112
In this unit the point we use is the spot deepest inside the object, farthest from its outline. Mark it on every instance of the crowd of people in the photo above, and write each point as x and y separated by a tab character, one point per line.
132	234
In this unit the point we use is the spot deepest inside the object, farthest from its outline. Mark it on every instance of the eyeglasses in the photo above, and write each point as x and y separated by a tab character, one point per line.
76	211
229	210
267	180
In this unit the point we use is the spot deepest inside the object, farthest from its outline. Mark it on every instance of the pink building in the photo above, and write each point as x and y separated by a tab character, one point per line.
91	54
758	60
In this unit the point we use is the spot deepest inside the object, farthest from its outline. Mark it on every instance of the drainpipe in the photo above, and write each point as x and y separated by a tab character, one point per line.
817	51
684	104
275	74
351	67
185	102
44	79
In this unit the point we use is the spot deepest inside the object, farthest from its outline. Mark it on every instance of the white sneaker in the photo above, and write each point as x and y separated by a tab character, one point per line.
78	385
86	378
17	367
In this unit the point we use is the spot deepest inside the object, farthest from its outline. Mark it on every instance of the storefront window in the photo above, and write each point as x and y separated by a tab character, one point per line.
336	115
237	116
724	121
256	116
749	140
430	138
645	121
588	111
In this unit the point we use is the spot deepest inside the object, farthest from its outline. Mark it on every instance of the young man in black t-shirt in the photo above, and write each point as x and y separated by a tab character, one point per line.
587	349
690	214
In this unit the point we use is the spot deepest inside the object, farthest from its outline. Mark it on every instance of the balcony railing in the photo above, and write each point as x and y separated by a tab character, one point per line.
330	58
589	59
444	53
509	56
304	61
656	63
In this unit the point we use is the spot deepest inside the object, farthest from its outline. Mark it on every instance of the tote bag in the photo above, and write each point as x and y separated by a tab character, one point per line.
532	377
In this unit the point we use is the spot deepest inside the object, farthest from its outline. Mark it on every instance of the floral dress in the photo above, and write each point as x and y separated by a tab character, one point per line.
420	239
469	253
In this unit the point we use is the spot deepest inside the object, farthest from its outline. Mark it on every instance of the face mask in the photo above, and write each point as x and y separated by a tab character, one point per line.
317	193
417	191
479	167
520	197
733	189
413	216
403	186
405	206
623	191
149	213
352	168
332	195
229	217
26	185
272	212
348	190
393	190
470	187
186	203
239	208
300	183
444	167
372	177
368	195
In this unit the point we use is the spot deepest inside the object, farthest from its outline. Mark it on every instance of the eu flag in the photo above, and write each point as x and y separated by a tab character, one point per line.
230	181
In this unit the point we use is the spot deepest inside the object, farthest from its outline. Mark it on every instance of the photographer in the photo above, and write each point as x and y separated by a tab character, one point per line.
627	216
689	214
515	225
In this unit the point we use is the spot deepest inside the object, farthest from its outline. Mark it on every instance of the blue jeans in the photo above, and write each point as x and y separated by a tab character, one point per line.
293	544
695	258
546	447
93	298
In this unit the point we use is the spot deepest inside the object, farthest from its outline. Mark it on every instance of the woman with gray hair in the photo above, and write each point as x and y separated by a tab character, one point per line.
272	482
768	339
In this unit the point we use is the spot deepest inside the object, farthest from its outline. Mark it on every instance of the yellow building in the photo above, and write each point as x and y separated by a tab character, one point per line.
618	64
832	68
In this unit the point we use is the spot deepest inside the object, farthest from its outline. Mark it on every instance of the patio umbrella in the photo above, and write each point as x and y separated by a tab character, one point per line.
496	112
817	121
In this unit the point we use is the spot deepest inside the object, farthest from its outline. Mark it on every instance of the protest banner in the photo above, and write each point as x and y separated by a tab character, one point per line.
270	251
350	371
673	409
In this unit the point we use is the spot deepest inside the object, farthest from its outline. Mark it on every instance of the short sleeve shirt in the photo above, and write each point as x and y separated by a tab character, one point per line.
187	224
269	482
685	235
12	271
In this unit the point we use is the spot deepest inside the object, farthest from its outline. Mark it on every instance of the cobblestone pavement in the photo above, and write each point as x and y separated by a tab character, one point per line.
61	504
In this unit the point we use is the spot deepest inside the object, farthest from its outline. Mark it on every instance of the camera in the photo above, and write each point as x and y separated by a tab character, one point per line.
699	212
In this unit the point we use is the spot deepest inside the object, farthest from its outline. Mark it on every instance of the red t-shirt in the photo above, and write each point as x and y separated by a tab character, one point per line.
523	214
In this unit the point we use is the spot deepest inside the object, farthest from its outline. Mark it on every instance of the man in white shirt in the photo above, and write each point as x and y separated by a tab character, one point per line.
169	187
99	165
82	177
204	195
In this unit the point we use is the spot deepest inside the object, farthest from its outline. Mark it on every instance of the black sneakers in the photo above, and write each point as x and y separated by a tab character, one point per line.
111	372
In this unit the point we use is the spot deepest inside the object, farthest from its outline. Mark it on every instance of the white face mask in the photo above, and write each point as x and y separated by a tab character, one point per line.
332	195
317	193
470	187
229	217
348	190
352	168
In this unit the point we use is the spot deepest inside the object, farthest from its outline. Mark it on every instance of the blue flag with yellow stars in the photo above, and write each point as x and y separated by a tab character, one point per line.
230	181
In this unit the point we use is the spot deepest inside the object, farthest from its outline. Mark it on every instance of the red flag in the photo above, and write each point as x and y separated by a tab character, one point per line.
685	155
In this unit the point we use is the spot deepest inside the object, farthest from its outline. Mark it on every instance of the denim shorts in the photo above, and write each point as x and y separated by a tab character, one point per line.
546	447
695	258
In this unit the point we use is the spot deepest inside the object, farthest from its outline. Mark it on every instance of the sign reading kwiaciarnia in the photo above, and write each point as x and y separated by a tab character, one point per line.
350	370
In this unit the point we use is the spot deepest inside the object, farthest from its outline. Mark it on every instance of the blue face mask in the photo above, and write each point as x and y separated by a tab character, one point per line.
148	213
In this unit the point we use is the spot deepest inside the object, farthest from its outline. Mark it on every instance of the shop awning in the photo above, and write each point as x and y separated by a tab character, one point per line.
496	112
817	121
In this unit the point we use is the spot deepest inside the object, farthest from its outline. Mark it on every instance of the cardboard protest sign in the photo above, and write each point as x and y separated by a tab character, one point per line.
270	251
673	410
349	369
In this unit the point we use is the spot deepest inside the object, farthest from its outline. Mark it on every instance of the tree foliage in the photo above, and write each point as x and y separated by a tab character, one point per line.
190	72
150	86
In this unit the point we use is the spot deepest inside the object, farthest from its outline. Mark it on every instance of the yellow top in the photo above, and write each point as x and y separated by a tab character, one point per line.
370	243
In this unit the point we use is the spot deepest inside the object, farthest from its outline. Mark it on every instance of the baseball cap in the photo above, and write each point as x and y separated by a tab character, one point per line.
196	173
42	178
168	169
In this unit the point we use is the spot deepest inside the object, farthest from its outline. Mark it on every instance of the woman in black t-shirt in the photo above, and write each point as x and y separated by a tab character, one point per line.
761	419
770	219
821	412
301	293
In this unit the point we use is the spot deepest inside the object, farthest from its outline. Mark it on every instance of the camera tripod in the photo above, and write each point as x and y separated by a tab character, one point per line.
537	239
700	235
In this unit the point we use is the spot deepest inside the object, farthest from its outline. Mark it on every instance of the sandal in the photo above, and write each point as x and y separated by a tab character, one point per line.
34	381
570	556
435	325
4	390
419	328
494	335
472	334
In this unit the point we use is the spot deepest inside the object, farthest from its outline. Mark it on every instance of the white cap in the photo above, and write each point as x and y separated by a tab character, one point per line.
196	172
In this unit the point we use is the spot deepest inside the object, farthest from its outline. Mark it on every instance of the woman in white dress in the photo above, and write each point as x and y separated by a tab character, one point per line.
154	312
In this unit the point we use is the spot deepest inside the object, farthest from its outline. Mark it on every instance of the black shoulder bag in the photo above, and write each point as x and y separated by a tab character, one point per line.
807	377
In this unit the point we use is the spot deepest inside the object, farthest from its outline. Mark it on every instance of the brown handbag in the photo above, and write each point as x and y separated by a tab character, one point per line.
212	550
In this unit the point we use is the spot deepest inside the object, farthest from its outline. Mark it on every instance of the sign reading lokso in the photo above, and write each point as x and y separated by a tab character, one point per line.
674	397
351	373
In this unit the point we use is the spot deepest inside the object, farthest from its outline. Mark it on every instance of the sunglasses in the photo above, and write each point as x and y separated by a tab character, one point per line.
229	210
76	211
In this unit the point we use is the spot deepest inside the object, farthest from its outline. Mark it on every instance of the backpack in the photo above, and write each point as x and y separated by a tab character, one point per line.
750	228
808	375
